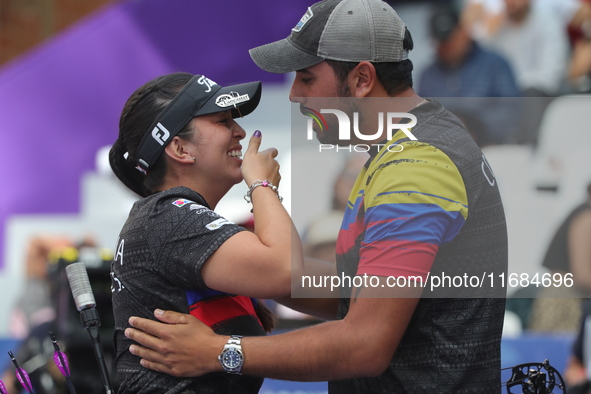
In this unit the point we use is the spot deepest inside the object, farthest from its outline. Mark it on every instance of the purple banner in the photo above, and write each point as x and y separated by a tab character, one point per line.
61	102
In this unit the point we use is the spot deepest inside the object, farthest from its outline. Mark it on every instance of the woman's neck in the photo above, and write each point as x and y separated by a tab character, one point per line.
212	192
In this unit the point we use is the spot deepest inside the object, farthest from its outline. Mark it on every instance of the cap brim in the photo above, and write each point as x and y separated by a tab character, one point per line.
241	99
282	57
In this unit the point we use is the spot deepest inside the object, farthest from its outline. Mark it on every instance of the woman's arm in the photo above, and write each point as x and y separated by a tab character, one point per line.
318	301
259	264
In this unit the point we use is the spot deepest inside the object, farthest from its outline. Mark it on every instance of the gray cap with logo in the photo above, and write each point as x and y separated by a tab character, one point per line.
344	30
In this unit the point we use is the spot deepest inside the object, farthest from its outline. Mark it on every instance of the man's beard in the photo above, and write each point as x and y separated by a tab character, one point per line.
348	106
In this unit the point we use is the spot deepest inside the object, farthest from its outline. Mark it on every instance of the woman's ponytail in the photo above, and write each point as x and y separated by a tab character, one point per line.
139	112
125	170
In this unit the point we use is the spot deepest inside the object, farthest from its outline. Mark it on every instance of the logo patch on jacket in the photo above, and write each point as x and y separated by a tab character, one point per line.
181	201
217	224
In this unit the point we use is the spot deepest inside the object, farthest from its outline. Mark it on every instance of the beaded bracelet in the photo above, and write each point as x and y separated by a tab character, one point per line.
257	183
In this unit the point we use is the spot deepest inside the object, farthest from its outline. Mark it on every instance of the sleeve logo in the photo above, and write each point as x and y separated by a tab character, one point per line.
181	201
217	224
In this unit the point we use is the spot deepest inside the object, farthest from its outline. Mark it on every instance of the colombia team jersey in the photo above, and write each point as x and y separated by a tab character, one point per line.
431	208
160	253
412	201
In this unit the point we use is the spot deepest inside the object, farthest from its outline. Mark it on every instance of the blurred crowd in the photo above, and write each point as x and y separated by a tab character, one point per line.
509	49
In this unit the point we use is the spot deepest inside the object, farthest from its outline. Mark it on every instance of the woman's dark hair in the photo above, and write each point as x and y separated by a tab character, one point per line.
395	77
139	112
267	318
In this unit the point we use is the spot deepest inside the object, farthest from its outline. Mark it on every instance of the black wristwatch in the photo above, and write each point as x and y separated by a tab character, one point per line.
231	356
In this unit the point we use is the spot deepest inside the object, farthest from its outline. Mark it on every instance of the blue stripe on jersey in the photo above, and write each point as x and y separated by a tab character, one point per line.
194	296
398	221
351	212
424	194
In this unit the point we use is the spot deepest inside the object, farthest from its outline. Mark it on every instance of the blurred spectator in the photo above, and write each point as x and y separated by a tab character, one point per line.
34	305
463	68
486	17
320	238
570	249
534	41
579	23
565	10
483	17
579	71
569	253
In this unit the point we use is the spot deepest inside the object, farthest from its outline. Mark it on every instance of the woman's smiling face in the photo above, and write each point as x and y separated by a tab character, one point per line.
218	150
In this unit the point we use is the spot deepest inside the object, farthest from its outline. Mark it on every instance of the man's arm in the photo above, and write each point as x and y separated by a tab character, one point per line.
321	302
362	344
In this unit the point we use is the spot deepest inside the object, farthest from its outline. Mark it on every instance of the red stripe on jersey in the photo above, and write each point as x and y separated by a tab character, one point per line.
213	311
396	258
347	237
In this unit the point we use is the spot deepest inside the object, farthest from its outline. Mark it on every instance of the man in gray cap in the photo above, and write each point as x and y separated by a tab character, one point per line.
424	212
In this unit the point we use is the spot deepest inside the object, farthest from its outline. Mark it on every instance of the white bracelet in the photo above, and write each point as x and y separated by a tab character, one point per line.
257	183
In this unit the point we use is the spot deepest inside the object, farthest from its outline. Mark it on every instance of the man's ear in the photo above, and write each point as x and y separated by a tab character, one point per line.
363	79
177	150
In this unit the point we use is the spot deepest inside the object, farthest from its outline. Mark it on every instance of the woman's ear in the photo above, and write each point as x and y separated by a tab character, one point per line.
178	150
362	79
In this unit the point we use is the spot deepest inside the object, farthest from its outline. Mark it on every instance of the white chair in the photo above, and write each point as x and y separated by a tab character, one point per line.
564	138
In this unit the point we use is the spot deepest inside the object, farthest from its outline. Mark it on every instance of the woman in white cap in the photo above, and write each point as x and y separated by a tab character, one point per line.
179	148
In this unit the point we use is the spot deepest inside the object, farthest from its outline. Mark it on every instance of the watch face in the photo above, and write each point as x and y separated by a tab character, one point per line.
232	359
